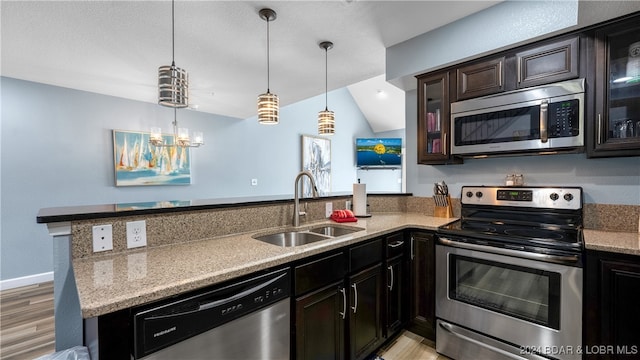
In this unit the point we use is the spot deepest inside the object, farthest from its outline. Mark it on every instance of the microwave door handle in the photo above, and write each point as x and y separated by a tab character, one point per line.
544	106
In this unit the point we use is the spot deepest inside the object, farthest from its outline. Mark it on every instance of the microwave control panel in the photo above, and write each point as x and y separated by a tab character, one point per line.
564	119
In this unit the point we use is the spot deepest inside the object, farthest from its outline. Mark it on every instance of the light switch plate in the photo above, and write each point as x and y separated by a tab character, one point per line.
102	238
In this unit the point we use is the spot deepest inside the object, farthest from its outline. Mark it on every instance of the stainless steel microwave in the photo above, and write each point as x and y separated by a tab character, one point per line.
538	119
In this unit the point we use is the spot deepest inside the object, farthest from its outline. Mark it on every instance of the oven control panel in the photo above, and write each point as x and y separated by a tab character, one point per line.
533	197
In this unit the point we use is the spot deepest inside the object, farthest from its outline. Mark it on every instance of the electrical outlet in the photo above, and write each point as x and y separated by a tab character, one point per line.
102	238
254	182
328	209
136	234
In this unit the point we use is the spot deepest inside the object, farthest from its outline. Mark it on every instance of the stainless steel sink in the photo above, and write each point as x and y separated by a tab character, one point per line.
291	238
334	231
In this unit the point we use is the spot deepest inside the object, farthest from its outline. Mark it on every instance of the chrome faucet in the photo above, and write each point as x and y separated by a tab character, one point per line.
296	202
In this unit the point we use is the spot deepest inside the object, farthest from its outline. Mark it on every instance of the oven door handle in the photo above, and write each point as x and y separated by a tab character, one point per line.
509	252
448	328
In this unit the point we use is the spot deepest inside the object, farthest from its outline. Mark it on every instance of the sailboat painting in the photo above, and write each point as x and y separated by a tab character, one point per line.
138	163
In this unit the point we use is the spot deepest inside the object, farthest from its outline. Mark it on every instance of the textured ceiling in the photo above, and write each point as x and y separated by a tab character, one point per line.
115	47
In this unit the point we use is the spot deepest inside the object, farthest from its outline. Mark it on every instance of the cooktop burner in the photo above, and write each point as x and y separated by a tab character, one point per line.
540	217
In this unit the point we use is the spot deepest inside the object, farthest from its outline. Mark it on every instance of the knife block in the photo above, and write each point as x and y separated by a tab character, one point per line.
444	211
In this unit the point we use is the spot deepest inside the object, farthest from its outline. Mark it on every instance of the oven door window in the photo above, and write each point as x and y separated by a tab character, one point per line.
521	292
511	125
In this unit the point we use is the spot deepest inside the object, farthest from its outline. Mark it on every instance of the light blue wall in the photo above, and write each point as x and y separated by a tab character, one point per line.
57	150
605	181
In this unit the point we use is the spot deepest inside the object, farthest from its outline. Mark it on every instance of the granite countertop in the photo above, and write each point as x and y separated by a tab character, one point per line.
107	283
617	242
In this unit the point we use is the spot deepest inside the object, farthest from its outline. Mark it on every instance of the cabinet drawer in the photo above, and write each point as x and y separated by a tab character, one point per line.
395	245
364	255
319	273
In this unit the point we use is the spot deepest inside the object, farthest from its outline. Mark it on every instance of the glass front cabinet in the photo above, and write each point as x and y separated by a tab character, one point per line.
616	127
433	119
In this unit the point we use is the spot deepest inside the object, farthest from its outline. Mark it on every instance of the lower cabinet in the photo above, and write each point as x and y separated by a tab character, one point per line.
365	320
611	309
320	323
422	309
345	307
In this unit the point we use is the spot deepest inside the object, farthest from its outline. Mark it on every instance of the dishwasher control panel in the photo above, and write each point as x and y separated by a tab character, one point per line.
167	323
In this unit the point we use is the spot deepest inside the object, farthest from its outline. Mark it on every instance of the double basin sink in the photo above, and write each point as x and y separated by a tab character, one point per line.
302	237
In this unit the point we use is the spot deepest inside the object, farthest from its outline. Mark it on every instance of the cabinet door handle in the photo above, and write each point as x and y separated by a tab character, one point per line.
396	244
355	301
599	129
412	254
391	270
444	144
544	106
344	303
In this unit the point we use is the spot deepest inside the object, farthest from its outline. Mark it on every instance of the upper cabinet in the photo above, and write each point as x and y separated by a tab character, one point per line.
549	63
479	79
433	119
615	123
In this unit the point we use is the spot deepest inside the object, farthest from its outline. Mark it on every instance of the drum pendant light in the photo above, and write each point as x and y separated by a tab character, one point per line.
173	82
268	103
326	118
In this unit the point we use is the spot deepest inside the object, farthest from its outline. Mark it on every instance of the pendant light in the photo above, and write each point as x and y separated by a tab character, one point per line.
268	103
173	91
326	118
173	82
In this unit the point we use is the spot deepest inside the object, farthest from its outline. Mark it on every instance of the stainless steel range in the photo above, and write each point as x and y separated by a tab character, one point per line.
509	275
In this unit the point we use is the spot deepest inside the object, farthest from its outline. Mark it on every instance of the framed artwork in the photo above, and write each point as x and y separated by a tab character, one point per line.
316	158
138	163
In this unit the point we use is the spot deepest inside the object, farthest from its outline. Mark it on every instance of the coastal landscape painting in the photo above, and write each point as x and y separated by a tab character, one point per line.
138	163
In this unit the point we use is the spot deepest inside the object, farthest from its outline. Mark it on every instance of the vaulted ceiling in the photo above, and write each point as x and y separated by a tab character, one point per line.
116	47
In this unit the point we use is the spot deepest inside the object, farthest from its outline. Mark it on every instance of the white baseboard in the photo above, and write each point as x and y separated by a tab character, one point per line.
26	281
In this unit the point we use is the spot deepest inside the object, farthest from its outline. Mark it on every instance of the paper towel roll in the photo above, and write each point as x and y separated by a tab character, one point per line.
360	199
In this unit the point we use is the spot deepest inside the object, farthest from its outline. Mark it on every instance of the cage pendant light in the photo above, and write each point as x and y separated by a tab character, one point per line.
173	82
326	118
268	103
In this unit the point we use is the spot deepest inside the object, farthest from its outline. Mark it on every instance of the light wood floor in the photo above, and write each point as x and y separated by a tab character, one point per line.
27	328
409	346
26	322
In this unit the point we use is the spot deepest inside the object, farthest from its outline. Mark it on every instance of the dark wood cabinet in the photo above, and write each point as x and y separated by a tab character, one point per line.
548	63
479	79
320	323
433	119
340	303
422	285
395	286
613	129
365	304
611	311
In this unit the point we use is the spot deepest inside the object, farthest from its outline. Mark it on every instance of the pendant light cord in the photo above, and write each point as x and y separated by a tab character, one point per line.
173	34
326	81
268	55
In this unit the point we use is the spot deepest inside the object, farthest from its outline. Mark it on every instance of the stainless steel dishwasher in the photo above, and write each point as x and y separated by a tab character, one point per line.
244	320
